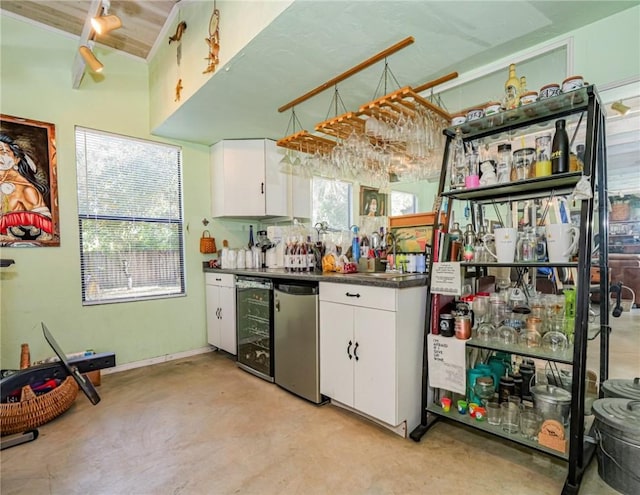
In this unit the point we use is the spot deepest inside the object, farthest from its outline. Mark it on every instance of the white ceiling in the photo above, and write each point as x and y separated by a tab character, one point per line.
313	41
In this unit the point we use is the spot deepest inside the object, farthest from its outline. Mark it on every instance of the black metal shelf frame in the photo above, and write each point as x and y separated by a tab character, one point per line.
571	105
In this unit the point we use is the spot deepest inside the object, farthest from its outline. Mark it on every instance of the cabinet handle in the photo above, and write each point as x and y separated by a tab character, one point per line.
355	351
218	280
349	294
349	350
262	188
277	305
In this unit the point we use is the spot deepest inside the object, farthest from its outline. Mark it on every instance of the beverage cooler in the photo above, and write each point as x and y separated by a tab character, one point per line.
254	317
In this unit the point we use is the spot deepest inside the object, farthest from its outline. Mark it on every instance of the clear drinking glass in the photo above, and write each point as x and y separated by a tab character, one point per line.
510	417
494	413
530	421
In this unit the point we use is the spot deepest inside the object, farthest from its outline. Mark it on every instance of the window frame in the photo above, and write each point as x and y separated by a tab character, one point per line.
180	267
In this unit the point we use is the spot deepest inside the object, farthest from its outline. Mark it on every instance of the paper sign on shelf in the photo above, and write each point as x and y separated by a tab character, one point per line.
446	278
447	365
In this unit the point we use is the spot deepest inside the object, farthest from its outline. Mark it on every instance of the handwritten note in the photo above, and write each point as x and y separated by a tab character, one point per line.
446	357
446	278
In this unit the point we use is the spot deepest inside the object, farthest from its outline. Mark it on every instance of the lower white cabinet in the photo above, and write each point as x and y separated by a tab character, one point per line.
221	311
371	350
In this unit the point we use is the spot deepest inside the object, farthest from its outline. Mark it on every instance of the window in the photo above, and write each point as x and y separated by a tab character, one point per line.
332	200
403	203
130	218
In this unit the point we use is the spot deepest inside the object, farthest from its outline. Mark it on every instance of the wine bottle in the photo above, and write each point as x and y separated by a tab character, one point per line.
251	243
560	149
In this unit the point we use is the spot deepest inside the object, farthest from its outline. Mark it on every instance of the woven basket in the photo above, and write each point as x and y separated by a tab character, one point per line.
33	411
207	243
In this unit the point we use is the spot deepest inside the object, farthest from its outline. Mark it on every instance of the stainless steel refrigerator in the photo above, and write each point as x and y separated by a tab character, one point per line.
296	339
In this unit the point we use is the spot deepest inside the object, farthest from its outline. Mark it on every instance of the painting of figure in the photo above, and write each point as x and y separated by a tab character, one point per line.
28	185
372	202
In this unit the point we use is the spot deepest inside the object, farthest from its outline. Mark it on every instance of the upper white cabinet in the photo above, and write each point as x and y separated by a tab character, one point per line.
300	203
246	180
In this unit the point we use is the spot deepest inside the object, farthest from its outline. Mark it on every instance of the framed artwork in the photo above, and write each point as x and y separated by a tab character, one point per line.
372	203
413	239
28	183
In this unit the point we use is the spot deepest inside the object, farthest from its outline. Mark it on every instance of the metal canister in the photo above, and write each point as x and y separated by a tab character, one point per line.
527	371
517	384
447	325
463	327
506	388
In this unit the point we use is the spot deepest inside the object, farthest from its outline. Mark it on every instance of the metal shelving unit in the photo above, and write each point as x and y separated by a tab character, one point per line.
532	119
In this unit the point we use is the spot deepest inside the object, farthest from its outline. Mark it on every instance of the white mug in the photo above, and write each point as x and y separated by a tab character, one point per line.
562	241
505	240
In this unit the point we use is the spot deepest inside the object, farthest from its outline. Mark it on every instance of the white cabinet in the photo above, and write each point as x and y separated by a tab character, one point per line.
371	350
221	311
300	202
246	180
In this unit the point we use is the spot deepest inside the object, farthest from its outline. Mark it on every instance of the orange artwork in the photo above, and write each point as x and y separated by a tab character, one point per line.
28	183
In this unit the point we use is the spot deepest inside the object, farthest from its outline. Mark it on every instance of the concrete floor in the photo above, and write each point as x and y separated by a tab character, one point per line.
201	425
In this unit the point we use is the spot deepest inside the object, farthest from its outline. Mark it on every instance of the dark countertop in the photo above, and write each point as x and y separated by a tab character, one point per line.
394	281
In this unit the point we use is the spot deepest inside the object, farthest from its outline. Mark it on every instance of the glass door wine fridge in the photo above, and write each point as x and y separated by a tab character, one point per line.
254	317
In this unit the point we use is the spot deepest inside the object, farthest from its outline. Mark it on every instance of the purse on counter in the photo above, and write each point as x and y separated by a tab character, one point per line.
207	243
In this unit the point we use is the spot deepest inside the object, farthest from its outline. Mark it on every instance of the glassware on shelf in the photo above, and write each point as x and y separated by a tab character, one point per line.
503	169
543	155
530	421
507	335
480	307
485	332
530	339
527	248
555	341
522	161
484	388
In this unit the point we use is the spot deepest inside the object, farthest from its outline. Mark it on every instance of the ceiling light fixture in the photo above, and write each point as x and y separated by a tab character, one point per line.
105	23
90	59
620	107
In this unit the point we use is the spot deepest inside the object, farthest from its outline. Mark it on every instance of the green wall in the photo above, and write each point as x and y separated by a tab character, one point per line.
44	284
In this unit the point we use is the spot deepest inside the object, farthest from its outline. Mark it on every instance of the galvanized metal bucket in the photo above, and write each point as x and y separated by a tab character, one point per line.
617	429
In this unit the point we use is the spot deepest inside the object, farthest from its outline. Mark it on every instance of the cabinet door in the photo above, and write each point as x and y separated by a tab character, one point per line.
300	197
239	182
375	369
277	183
228	320
213	316
336	369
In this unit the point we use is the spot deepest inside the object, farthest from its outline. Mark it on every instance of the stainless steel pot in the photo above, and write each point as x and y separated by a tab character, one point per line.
552	402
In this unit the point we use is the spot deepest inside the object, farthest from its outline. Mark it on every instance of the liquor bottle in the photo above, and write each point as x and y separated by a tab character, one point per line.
560	149
302	256
251	243
523	85
311	258
469	243
287	256
511	90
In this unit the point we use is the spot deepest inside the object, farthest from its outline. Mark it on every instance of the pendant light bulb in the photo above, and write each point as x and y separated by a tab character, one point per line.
90	59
